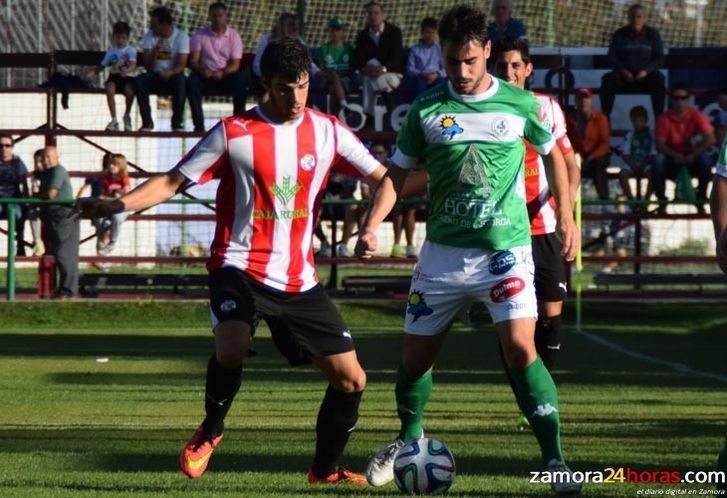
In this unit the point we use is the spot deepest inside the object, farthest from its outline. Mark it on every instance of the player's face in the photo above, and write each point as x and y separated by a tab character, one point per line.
121	40
466	66
511	68
287	100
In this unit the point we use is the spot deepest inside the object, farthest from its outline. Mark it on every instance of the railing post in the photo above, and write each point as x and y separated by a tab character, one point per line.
11	252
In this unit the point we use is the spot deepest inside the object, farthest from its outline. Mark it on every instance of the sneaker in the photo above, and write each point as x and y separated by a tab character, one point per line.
196	455
147	127
380	469
113	125
397	251
127	123
562	483
343	251
411	252
523	423
177	128
340	475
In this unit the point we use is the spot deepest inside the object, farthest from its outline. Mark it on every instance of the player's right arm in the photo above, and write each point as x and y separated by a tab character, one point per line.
718	202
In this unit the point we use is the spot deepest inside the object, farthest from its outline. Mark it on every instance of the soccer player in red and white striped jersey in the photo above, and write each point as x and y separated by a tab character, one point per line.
513	64
272	163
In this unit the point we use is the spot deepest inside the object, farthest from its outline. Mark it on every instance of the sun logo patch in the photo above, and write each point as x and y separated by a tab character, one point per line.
450	127
417	306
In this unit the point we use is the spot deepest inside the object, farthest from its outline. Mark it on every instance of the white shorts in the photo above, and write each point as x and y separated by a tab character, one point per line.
448	279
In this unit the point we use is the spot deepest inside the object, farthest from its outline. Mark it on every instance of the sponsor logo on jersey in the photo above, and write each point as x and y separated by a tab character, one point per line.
500	126
417	306
228	305
286	191
473	170
308	162
501	262
544	410
506	289
289	214
449	126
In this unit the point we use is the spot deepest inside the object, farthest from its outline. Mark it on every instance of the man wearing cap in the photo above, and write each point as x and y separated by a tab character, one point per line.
333	58
590	134
215	56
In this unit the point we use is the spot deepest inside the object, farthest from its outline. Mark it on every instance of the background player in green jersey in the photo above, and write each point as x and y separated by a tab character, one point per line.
469	132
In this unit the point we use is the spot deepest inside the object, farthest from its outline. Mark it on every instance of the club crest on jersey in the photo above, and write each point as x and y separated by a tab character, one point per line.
500	126
450	127
417	306
308	162
473	170
287	191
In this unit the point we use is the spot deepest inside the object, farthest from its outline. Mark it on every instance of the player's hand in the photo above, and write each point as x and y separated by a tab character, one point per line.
366	245
569	237
91	207
722	251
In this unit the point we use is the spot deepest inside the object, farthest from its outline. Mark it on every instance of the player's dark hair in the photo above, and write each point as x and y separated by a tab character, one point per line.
9	137
679	86
163	15
429	23
639	111
217	5
287	58
510	45
461	24
121	28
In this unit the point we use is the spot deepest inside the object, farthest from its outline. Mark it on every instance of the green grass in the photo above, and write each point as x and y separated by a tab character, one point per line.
70	426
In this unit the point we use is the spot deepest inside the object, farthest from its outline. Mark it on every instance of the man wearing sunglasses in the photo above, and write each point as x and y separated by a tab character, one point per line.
12	184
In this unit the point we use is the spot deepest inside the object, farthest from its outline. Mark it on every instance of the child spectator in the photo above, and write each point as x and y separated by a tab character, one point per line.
33	210
333	58
424	64
114	184
638	151
121	61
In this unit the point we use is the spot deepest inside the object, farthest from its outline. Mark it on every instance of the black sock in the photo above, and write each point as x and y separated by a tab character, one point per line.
547	339
336	420
222	386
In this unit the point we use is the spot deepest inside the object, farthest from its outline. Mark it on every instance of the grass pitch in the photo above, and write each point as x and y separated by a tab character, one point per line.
70	426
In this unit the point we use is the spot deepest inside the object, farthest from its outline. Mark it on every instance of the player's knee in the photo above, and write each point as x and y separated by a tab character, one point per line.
519	355
350	383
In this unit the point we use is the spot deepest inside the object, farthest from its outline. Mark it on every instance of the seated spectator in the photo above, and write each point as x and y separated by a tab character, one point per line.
424	64
13	173
114	184
341	186
33	212
286	25
636	54
720	119
638	152
378	55
590	134
333	58
684	138
504	25
214	58
166	50
121	61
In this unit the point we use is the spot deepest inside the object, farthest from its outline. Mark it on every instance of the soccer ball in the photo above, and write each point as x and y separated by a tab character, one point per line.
424	467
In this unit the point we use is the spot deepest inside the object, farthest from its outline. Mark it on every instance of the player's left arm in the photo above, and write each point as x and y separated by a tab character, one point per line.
718	203
558	181
560	132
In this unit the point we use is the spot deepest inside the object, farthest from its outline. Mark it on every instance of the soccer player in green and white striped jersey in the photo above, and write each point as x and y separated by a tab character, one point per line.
469	133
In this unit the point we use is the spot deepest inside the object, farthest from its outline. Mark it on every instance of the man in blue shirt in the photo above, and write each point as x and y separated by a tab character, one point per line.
505	26
424	64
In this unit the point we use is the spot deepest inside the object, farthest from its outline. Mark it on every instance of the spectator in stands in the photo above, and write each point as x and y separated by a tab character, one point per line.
590	134
214	58
333	58
684	137
33	212
344	187
720	119
504	25
61	225
379	56
424	63
13	174
114	184
166	50
638	152
636	54
121	61
285	26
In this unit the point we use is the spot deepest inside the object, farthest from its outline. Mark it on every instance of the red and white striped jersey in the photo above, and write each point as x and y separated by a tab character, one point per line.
541	205
272	179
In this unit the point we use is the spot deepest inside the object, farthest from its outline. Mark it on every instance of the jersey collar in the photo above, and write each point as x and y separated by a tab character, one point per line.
273	123
478	97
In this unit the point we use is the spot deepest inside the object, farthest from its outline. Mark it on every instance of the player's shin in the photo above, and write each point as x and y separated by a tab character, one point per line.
547	339
412	394
538	399
336	420
221	388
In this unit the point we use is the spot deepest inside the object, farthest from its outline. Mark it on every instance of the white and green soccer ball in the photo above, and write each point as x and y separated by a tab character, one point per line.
424	467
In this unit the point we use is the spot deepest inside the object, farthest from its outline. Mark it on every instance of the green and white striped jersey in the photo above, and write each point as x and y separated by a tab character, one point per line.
473	151
722	159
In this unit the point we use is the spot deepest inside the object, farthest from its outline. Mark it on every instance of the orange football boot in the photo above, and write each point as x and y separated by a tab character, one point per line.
340	475
196	455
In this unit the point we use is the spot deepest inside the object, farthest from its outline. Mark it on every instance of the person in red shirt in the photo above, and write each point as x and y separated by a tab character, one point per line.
272	163
684	136
590	135
114	183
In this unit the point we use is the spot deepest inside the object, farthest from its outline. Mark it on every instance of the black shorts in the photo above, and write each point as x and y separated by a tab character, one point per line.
550	280
119	81
304	325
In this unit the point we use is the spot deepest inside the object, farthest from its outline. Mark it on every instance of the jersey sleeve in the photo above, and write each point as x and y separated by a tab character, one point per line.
208	159
560	130
722	160
540	138
351	155
106	61
410	142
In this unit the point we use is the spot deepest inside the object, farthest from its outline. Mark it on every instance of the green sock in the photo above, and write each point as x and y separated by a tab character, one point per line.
538	399
412	395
